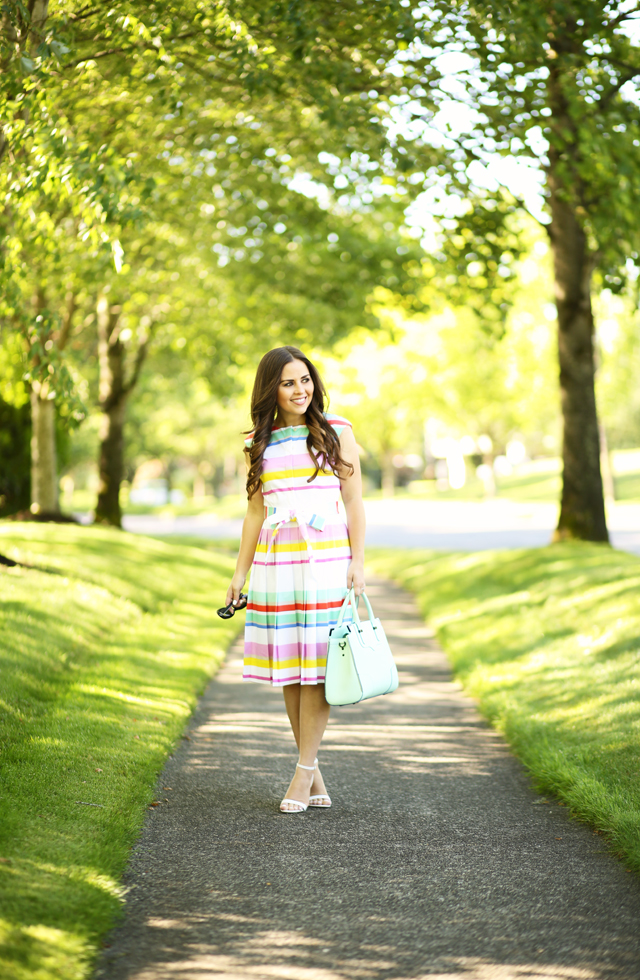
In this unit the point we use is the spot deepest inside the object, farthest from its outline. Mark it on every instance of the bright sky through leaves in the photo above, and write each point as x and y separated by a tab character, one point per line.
521	175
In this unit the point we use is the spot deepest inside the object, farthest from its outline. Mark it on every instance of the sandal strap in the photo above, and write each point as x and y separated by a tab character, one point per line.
310	768
303	806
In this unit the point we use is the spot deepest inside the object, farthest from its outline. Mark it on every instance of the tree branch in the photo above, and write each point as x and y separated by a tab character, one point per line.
187	36
623	65
84	14
141	353
625	15
606	99
95	57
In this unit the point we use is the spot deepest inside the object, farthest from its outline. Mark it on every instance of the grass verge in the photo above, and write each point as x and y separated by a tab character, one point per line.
548	642
106	643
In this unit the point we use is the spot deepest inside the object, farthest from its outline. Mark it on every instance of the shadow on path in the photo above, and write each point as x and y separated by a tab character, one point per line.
436	859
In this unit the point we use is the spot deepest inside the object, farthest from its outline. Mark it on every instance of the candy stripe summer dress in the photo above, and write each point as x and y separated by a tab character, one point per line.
299	573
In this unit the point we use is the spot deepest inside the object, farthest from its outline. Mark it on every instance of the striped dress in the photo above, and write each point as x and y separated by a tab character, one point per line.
299	572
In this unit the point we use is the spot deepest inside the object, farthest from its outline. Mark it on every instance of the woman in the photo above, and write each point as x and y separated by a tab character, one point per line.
302	556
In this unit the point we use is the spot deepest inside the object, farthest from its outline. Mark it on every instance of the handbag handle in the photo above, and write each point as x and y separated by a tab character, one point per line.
352	599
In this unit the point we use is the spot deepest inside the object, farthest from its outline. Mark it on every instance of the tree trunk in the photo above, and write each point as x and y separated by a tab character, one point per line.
44	470
113	400
582	513
44	463
111	463
114	392
39	10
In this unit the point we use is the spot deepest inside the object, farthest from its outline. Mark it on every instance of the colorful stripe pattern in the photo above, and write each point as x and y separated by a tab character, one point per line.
299	573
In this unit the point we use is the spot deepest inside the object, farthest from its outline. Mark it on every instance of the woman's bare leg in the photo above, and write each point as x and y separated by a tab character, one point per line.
292	704
308	713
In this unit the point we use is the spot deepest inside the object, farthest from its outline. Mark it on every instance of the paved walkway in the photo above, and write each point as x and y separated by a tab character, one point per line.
437	859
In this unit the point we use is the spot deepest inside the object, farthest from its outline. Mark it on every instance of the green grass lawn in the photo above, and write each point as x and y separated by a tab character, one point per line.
106	643
548	642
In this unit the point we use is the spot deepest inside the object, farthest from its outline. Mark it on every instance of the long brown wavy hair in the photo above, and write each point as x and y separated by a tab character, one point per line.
322	442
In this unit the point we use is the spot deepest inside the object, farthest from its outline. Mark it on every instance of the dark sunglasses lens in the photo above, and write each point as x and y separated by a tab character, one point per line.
226	612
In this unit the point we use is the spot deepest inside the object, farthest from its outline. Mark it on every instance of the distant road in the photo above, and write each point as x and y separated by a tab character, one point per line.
438	524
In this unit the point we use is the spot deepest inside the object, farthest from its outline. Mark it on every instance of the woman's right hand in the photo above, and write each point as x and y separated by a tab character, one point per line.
234	590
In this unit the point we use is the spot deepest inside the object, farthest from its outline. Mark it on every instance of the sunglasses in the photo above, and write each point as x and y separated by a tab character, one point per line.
226	612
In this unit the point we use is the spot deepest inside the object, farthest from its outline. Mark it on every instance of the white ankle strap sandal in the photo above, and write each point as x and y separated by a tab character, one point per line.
320	800
300	807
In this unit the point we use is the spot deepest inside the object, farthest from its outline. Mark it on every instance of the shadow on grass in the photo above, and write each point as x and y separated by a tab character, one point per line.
94	693
145	570
547	640
40	894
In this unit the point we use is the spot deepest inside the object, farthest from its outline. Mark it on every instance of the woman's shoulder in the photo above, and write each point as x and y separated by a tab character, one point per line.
280	433
337	422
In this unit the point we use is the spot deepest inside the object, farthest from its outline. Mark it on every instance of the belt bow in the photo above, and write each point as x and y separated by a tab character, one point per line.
304	518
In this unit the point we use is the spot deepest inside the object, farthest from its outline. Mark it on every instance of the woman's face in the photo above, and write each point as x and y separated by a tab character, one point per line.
294	392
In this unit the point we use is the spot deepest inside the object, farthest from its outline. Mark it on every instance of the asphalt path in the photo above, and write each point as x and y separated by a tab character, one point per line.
441	525
437	859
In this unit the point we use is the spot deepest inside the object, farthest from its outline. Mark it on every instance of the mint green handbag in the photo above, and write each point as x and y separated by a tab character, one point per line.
359	661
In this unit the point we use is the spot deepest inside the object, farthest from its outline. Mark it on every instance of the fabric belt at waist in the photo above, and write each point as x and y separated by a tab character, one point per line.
305	518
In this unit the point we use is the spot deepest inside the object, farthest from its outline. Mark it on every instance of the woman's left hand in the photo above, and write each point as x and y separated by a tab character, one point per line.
355	577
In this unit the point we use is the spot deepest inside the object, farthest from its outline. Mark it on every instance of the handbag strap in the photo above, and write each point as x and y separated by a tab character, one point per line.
345	605
352	599
369	609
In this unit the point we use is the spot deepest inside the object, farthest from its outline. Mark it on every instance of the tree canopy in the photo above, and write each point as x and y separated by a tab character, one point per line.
219	176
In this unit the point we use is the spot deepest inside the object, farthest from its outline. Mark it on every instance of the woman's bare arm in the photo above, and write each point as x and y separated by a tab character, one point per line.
251	527
351	487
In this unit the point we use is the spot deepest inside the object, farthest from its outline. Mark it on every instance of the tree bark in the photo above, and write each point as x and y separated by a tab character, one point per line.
114	392
39	10
44	463
44	469
111	464
113	399
582	512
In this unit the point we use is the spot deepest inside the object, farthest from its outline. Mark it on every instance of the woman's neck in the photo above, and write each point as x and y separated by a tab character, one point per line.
284	420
